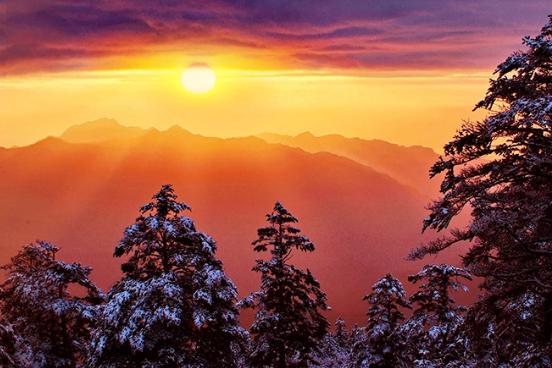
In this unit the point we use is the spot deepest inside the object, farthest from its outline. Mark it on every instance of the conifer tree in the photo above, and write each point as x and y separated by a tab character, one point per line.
341	335
35	299
174	306
502	168
436	321
336	350
382	346
289	326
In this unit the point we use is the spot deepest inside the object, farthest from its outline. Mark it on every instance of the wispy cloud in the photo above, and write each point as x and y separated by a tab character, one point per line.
58	35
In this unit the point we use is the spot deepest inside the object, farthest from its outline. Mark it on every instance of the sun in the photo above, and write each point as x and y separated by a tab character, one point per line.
198	78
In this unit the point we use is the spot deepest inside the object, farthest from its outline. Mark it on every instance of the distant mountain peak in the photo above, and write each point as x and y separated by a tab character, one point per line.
48	142
101	122
107	129
100	130
178	129
273	136
306	134
104	120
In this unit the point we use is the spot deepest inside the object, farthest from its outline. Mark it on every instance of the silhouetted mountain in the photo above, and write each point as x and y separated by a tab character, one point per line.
100	130
81	196
408	165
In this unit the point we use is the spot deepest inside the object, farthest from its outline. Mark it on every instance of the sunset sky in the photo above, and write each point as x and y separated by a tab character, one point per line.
404	71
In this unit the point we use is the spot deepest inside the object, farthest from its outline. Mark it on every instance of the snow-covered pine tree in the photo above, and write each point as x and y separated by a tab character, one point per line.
341	335
502	168
37	300
382	347
336	348
174	306
436	321
289	325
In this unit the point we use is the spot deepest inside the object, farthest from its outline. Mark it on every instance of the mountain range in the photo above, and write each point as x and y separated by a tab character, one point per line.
361	202
407	165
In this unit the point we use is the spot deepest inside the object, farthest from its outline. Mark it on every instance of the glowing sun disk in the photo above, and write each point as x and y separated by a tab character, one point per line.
198	78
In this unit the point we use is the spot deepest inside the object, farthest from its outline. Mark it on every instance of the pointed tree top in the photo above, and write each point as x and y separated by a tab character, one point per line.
340	324
38	260
164	202
388	287
434	295
281	235
41	253
441	270
280	215
389	282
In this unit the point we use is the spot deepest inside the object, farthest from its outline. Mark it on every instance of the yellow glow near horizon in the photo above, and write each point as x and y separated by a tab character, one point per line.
198	78
423	108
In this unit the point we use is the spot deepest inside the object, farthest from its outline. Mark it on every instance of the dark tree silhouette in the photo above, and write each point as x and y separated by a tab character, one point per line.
501	167
289	326
52	323
382	346
174	306
336	348
433	333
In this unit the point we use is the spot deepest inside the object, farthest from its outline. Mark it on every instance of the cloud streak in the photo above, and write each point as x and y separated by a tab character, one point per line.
57	35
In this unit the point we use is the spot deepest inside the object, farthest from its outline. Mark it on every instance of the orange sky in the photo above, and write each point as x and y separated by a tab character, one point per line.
406	72
405	109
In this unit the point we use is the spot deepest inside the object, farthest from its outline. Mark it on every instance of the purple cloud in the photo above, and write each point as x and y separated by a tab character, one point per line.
54	34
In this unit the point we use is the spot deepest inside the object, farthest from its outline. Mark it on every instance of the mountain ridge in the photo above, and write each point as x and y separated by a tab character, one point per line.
380	155
99	130
407	164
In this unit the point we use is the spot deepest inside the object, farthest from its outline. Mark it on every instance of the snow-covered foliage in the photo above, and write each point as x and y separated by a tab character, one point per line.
174	306
433	332
8	342
434	302
501	168
382	343
341	335
289	326
336	348
51	323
